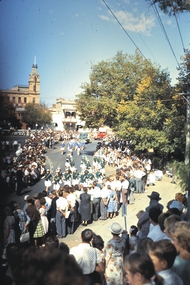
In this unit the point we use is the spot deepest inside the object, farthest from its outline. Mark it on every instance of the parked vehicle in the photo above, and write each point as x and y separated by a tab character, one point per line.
84	137
100	134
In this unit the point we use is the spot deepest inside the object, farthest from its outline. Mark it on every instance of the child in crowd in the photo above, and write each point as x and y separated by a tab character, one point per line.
143	244
163	254
133	239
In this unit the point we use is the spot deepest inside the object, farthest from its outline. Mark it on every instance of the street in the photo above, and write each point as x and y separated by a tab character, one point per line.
166	189
54	159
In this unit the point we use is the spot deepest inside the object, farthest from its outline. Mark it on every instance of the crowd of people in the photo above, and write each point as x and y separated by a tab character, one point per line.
155	251
161	262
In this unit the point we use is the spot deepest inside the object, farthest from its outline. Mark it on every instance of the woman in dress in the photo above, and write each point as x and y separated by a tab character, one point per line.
112	203
43	216
114	252
85	207
34	223
48	177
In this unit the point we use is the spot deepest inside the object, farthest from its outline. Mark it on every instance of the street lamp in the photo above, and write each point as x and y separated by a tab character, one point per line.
36	126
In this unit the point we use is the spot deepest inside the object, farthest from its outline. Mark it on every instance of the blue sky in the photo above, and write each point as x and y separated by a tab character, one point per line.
68	36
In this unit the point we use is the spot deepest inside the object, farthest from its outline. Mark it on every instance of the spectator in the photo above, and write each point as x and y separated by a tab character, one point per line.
34	223
140	270
114	251
169	224
163	254
87	257
46	267
155	232
181	241
144	244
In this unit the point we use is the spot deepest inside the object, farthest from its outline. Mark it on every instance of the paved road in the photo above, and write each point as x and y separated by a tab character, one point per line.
53	160
165	188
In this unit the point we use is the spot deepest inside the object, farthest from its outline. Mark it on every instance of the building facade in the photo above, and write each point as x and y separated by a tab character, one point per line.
65	116
21	95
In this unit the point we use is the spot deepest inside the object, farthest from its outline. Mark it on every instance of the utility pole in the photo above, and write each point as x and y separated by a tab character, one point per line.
187	148
186	96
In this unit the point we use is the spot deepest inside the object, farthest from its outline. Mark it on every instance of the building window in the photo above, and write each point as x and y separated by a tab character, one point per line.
74	114
25	100
34	101
13	99
67	114
19	99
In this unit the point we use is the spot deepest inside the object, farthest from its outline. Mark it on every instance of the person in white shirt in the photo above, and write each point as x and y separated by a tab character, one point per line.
87	257
96	197
155	232
138	174
104	202
60	219
71	198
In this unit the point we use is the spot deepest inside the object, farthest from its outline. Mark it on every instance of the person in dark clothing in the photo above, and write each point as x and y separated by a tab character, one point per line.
34	223
52	214
85	207
19	176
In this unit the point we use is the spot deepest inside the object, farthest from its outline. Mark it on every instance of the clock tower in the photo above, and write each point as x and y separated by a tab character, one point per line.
34	82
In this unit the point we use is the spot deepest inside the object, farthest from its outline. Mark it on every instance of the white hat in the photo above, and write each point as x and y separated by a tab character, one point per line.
25	197
116	229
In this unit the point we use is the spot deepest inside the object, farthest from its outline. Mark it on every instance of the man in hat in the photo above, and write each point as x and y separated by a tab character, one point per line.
144	220
154	198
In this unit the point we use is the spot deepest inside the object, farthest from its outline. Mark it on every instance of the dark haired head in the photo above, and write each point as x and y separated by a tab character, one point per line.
143	244
64	248
42	201
52	242
163	250
98	242
154	213
87	235
46	267
139	262
30	200
161	220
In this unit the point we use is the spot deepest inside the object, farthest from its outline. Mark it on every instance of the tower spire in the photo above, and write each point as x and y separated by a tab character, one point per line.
34	64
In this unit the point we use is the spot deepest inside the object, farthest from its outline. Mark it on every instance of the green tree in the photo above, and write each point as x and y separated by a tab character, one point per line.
8	116
171	7
36	114
134	98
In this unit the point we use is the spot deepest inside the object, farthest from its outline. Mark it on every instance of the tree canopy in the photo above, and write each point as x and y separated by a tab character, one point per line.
134	98
7	114
36	114
172	6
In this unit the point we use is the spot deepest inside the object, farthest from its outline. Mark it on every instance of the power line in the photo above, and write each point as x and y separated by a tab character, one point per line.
135	28
123	28
164	31
179	31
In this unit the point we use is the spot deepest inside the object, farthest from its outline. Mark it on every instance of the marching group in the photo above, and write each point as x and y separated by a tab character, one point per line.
155	251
